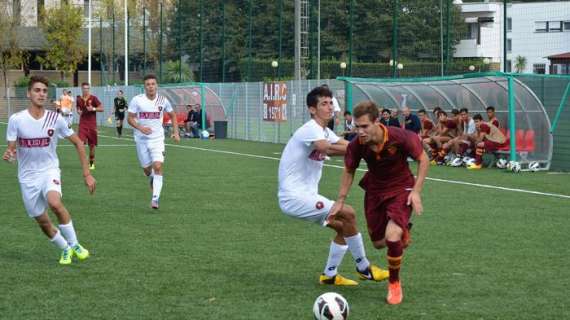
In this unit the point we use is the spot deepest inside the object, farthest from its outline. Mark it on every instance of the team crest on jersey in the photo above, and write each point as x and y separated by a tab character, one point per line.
159	108
55	181
50	132
319	205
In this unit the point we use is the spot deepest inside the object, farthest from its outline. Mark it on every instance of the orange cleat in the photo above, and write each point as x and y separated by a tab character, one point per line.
395	294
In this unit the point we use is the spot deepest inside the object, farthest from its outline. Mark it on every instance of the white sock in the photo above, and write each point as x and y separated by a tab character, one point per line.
59	241
69	233
356	247
336	254
156	187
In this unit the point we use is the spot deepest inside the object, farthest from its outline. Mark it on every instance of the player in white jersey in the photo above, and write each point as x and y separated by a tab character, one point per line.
145	116
300	170
32	139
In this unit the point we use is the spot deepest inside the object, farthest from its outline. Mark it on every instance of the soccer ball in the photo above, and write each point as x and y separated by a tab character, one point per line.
330	306
457	162
468	160
501	163
514	166
205	134
534	166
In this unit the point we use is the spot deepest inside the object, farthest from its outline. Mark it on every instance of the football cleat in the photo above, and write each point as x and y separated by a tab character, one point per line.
80	252
66	255
395	294
474	166
337	280
154	204
373	273
92	166
433	163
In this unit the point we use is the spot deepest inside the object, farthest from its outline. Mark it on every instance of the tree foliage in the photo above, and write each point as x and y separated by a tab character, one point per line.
10	53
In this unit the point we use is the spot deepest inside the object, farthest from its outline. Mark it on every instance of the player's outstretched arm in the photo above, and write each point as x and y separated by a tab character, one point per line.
10	153
89	180
345	183
415	199
338	148
175	134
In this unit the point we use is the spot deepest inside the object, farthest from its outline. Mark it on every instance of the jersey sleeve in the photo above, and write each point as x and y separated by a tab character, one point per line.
62	127
412	144
12	132
332	137
310	134
485	128
133	106
96	102
167	105
353	155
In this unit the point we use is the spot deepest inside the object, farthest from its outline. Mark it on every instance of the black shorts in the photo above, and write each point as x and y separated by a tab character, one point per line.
119	116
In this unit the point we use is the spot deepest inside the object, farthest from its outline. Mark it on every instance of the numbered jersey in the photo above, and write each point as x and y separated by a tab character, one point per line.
36	141
149	113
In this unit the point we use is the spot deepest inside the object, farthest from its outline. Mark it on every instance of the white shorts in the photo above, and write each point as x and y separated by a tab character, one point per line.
35	193
149	151
314	208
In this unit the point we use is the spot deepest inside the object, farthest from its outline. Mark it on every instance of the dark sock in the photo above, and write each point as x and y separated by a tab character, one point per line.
395	253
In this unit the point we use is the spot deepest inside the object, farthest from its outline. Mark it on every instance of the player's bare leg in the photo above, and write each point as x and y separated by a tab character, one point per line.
395	253
156	183
92	156
66	225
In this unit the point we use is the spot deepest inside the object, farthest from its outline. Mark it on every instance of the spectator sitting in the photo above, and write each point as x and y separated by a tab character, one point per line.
388	120
411	121
349	130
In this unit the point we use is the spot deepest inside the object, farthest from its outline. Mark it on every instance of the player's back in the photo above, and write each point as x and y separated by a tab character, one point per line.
149	113
300	167
36	141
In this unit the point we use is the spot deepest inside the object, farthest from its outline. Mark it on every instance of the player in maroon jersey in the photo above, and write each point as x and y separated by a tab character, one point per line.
87	106
391	192
492	117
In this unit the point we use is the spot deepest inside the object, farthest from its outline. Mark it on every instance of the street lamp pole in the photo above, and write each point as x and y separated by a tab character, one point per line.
274	65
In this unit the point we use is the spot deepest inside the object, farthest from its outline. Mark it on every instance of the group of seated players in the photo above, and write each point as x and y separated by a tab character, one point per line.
456	139
459	139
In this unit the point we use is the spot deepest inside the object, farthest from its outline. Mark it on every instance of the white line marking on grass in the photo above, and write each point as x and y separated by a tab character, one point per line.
485	186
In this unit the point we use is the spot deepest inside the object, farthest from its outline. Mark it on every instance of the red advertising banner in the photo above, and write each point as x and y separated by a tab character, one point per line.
275	101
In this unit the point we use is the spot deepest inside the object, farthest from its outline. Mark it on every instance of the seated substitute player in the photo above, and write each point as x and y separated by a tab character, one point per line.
390	189
464	139
493	117
446	129
300	170
145	116
489	139
32	138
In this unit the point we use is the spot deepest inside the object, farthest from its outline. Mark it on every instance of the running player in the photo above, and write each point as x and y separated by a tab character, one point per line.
300	170
87	106
391	192
32	139
145	116
120	107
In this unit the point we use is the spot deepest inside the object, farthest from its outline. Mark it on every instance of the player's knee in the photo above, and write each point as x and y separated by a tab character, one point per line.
348	215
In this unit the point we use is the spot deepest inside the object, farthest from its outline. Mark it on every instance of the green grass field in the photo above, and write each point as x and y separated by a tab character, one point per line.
219	247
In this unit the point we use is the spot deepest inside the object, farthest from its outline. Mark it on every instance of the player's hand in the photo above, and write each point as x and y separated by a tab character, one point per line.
337	206
90	183
145	130
415	200
175	136
9	155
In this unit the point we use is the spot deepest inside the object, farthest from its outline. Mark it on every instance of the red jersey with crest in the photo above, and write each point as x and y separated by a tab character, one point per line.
388	170
88	119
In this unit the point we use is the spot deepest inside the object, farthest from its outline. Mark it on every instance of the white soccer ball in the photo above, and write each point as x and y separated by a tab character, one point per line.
330	306
534	166
502	163
514	166
468	160
457	162
205	134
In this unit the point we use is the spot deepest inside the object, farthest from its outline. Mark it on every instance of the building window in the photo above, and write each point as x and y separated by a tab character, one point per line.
509	24
567	26
560	68
539	68
555	26
509	66
541	26
509	45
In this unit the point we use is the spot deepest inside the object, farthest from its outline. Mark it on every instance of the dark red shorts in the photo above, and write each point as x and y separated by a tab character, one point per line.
379	209
88	135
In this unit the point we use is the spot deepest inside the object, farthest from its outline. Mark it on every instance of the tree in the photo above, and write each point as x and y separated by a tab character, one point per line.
63	27
10	53
520	64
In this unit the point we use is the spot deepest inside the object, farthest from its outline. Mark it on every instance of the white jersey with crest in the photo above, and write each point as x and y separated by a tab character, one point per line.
300	167
36	141
149	113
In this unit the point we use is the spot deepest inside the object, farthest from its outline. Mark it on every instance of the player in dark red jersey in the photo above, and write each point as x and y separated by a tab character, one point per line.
391	192
87	106
489	139
446	130
492	117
